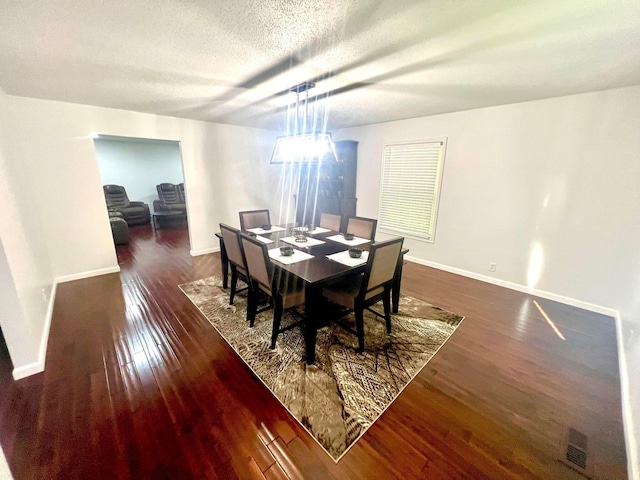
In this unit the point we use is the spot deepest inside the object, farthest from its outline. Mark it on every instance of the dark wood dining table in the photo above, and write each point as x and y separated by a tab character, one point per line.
315	273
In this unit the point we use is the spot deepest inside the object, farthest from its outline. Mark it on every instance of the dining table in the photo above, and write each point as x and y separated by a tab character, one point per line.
323	263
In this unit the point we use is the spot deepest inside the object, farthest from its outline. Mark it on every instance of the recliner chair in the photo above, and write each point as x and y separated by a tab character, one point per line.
171	198
134	213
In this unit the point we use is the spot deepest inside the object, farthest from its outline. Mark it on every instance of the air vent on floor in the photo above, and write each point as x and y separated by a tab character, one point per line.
573	451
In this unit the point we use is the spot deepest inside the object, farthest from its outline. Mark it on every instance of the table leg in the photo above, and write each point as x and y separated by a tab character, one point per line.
311	308
224	262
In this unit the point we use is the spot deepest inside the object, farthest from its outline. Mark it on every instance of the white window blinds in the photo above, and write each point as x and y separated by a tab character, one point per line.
411	175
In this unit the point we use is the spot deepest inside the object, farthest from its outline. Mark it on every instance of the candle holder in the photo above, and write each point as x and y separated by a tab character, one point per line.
300	233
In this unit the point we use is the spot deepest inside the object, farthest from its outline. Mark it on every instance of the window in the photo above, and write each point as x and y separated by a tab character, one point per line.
411	177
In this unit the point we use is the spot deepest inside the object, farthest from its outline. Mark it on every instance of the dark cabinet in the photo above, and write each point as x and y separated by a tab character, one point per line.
328	187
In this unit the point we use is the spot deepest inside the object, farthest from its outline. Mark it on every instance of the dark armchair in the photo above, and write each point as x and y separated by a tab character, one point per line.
134	213
170	198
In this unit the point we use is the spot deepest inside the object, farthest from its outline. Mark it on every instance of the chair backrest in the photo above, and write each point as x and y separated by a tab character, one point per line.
362	227
183	198
257	261
116	196
232	244
381	264
330	221
254	219
168	193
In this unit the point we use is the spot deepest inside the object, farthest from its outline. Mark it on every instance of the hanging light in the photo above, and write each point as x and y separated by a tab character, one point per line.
303	146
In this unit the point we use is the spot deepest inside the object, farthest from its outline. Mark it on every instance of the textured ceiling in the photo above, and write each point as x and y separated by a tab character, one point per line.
373	61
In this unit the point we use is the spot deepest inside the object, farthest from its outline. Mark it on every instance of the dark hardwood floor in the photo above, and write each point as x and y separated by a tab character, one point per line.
139	385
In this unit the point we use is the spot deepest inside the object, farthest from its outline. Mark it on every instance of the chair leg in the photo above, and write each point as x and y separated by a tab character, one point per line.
277	317
234	284
386	302
359	314
252	304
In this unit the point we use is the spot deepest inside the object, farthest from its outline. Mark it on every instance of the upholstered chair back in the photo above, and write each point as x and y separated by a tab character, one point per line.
116	196
383	258
255	254
254	219
330	221
168	193
232	244
362	227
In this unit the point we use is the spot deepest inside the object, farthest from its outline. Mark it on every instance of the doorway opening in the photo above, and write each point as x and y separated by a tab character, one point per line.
143	185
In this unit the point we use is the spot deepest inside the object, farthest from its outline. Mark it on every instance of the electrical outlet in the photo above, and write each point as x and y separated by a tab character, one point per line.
492	266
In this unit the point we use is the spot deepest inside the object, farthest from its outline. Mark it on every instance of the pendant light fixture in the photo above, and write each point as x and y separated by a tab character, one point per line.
305	142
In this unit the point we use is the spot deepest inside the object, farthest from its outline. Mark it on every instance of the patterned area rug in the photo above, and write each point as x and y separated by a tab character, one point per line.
338	397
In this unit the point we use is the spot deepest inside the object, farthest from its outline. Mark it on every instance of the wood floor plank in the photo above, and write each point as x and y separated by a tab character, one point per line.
138	384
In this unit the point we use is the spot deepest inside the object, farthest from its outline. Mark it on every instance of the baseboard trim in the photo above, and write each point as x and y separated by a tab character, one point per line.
37	367
520	288
91	273
633	449
204	251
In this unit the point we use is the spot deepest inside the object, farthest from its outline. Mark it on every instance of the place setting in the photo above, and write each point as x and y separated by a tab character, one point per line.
265	229
287	255
354	257
348	239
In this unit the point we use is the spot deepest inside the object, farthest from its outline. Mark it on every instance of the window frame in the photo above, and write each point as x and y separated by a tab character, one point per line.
382	227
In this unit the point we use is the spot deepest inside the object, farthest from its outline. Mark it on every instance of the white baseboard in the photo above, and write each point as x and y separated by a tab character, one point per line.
204	251
37	367
520	288
91	273
633	448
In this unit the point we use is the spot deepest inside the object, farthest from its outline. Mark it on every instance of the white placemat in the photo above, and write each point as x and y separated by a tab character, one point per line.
352	243
264	239
319	230
311	242
297	256
344	258
259	230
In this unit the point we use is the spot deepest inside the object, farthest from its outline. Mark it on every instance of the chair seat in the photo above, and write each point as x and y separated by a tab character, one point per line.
345	292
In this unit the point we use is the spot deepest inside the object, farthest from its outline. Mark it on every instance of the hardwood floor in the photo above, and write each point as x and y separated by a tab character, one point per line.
139	385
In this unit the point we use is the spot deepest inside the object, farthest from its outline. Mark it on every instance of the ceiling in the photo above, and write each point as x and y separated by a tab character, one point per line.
373	61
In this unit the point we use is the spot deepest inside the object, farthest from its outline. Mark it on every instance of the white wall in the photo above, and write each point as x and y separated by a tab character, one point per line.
54	137
25	268
55	224
139	165
556	178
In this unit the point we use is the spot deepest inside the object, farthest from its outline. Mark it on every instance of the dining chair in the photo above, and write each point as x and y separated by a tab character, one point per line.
236	260
254	219
286	290
370	287
330	221
362	227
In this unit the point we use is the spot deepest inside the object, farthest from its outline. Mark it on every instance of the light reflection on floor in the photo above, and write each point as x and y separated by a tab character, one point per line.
549	321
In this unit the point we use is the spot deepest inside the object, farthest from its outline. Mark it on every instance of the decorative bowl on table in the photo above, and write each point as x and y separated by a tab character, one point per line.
266	227
300	233
286	250
355	252
348	236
